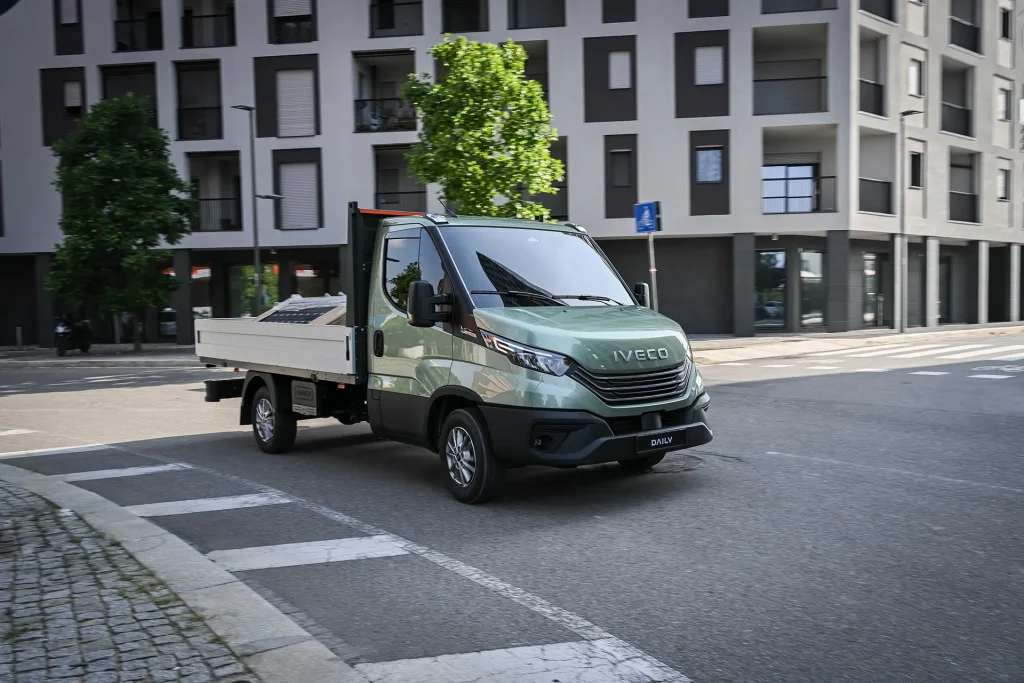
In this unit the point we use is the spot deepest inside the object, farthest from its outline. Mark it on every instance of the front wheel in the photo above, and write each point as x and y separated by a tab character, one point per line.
274	430
641	464
474	474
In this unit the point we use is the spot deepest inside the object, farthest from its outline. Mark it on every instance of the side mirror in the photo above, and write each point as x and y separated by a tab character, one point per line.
642	292
423	305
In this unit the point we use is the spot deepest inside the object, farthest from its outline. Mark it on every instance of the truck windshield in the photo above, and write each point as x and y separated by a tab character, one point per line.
512	267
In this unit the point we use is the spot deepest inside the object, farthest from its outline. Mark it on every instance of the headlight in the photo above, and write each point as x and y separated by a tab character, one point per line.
527	356
698	383
686	343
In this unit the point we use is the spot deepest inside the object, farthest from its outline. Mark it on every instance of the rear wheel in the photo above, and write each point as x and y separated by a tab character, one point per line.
274	430
641	464
474	474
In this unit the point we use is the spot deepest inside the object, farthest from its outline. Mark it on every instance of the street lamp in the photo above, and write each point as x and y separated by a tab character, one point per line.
257	295
903	248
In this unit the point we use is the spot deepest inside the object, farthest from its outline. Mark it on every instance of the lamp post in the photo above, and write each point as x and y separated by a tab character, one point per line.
902	248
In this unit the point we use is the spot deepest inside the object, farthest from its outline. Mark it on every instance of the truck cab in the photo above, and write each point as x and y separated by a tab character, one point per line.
498	343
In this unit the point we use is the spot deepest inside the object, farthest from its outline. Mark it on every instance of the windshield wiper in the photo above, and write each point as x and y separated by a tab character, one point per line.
589	297
516	292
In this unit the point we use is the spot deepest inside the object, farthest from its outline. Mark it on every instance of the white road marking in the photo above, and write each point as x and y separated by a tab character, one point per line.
1008	358
983	352
15	432
93	475
929	373
823	367
313	552
777	366
184	507
98	381
872	370
56	451
890	350
586	661
935	352
732	363
859	349
990	376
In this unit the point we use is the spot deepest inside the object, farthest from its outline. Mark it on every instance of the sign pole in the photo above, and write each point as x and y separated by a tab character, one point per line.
648	220
654	271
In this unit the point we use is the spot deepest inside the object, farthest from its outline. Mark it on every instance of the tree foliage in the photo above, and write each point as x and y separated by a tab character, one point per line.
123	202
486	130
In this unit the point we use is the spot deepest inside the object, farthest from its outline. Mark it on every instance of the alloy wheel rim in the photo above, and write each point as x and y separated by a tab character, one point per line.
461	457
265	419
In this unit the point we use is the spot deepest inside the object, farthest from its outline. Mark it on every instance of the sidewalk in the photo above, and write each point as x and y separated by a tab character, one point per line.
78	607
102	356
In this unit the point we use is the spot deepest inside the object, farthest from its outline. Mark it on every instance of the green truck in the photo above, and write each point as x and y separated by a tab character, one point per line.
495	343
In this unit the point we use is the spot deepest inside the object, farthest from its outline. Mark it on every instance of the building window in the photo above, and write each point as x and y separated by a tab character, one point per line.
68	12
915	78
73	97
292	21
1005	24
620	70
1	202
1003	104
916	170
296	103
708	65
616	11
1003	185
621	161
709	165
401	267
300	195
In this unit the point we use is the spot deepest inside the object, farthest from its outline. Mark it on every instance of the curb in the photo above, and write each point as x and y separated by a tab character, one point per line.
273	646
105	363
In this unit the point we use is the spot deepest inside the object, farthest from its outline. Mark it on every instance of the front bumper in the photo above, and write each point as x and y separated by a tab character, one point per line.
568	438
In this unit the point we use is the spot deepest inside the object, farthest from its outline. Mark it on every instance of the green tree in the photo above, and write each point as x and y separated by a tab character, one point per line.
123	203
400	284
486	130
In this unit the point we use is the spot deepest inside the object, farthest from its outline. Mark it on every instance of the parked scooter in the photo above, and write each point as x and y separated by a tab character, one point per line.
73	335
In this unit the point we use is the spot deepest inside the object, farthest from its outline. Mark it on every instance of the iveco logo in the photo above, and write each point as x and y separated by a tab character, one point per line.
640	354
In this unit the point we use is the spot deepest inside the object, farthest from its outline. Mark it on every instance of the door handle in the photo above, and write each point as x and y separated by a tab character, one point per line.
378	343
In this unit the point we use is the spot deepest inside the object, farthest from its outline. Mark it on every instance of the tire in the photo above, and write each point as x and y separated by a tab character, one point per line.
85	348
62	348
474	475
641	464
273	429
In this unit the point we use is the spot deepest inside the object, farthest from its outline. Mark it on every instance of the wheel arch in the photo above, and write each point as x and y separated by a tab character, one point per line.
443	403
276	385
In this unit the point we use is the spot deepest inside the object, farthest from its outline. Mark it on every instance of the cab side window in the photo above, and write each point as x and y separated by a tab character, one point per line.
430	265
401	266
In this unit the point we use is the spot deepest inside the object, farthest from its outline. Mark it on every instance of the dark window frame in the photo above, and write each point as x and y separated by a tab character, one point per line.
627	156
273	33
265	76
1005	24
618	11
916	164
619	200
1007	187
67	38
305	155
701	9
511	6
1005	115
198	65
721	164
413	234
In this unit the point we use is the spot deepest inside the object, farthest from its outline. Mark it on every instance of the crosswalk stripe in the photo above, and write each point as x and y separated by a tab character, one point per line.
982	352
1009	358
859	349
93	475
890	350
184	507
593	660
15	432
872	370
935	352
38	452
777	366
990	376
823	367
929	373
313	552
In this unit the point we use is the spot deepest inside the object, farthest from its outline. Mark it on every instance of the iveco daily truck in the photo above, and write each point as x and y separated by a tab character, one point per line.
493	342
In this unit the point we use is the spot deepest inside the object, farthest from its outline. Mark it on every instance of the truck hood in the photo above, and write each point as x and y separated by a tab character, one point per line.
600	338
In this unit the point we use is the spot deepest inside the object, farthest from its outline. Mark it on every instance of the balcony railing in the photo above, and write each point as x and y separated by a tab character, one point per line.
402	18
956	119
963	206
875	196
385	115
781	6
210	30
294	29
790	95
872	97
964	34
199	123
136	35
402	201
880	8
799	195
218	215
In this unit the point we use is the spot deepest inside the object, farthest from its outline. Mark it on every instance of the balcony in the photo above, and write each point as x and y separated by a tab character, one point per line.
783	6
964	34
963	207
208	30
880	8
790	95
390	114
413	201
218	215
199	123
875	196
396	189
536	13
872	97
396	18
138	35
798	195
957	119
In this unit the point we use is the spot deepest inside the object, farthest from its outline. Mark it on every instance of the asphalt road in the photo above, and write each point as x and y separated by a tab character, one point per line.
852	521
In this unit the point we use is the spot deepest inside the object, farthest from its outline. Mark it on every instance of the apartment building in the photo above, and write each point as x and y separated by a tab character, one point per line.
769	130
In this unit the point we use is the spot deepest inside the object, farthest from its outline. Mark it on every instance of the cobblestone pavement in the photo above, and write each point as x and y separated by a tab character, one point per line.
77	607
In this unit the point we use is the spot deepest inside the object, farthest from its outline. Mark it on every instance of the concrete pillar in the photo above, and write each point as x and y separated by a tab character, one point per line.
793	284
898	282
1014	283
743	284
219	289
931	282
286	284
181	300
982	282
44	301
837	280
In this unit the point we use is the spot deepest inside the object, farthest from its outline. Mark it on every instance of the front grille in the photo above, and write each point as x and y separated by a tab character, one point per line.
633	424
618	389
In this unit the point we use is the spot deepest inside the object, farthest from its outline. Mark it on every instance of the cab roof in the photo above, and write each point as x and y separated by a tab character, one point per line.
481	222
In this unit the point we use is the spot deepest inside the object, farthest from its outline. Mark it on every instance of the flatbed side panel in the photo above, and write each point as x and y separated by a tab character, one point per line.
309	348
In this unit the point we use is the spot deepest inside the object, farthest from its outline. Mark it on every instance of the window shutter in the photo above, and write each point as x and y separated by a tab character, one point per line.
296	103
72	94
709	65
792	159
1001	184
68	11
915	77
620	73
293	8
300	205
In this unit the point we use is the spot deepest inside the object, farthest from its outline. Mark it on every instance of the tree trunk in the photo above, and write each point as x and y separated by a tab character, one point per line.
137	337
